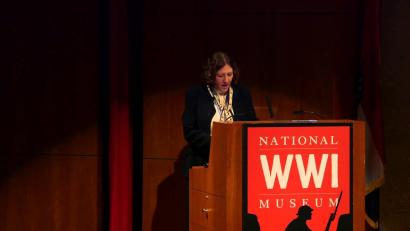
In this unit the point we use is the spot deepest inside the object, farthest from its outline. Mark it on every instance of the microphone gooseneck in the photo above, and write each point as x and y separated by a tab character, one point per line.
304	112
269	104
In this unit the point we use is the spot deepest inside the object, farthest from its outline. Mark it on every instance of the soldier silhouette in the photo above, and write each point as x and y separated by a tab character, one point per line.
252	223
299	224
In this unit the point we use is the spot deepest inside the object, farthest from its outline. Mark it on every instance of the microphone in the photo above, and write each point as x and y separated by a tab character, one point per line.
304	112
269	104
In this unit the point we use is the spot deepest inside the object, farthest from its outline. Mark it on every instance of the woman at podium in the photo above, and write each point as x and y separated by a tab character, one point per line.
220	99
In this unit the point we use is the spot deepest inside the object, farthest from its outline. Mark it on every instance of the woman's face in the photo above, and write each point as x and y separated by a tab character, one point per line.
223	79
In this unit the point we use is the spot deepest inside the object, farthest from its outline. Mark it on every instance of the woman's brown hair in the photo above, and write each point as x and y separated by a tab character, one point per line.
216	62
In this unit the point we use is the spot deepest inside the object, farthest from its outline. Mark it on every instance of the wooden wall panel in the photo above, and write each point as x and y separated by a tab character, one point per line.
49	157
303	59
395	72
183	6
51	89
163	136
165	195
51	193
50	111
298	60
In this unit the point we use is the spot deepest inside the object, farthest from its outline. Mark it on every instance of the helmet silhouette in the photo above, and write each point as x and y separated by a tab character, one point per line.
304	210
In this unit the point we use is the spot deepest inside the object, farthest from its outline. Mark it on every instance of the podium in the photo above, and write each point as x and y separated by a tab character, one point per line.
217	192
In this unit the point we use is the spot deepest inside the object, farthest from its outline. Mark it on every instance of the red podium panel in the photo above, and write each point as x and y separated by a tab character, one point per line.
292	168
267	175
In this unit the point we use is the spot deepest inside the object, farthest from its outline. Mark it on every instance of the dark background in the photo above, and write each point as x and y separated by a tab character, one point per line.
302	54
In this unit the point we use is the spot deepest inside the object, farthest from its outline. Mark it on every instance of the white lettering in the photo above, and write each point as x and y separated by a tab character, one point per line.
323	141
311	170
335	170
274	141
277	203
297	140
263	140
313	140
292	203
285	139
317	202
276	171
332	140
302	140
333	203
263	205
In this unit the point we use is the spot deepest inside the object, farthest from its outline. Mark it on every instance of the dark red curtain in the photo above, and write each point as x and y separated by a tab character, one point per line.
369	108
120	134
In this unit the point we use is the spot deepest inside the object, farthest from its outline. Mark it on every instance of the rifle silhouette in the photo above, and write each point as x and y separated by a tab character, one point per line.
333	215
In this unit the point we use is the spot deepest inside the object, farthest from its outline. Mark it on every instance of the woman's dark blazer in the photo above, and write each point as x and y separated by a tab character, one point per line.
197	116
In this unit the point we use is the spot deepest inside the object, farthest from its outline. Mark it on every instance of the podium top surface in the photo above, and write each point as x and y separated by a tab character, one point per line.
290	122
